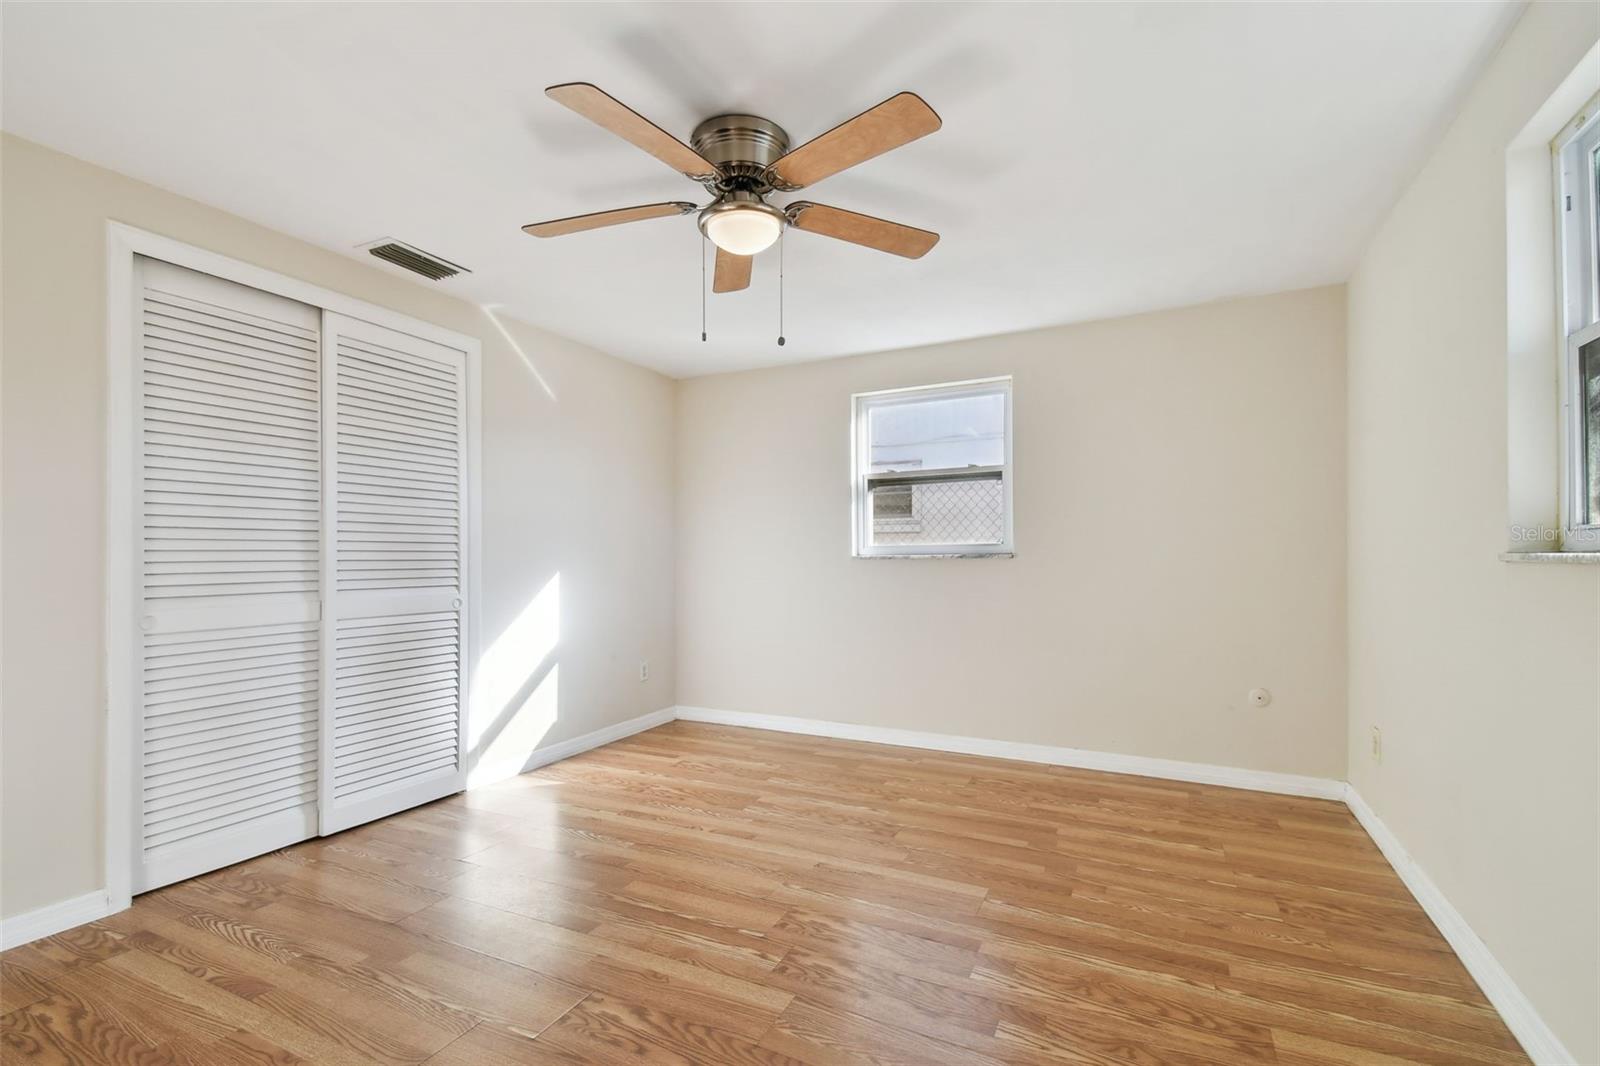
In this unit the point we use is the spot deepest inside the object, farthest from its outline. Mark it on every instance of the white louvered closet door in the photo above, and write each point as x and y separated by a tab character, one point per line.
227	524
396	414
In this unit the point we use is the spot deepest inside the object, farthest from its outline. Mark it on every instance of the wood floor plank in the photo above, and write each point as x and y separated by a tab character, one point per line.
821	1036
905	944
611	1032
247	1049
707	894
307	1015
83	945
499	994
375	858
490	1045
951	1010
64	1029
143	1008
25	976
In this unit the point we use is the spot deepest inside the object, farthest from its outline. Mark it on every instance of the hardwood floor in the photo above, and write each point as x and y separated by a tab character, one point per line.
702	894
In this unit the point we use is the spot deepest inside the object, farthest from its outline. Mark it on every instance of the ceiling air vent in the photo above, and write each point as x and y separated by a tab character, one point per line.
415	259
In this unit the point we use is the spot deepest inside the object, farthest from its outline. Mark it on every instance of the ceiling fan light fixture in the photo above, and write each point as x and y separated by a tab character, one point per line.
740	158
740	224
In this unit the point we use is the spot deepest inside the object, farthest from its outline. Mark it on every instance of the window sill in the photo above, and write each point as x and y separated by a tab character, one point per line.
1584	558
944	555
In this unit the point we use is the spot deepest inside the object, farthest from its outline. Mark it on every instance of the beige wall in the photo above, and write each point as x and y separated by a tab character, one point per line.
1483	677
579	485
1179	519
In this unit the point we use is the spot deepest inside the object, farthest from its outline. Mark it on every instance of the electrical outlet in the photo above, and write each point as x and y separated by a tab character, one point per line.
1377	745
644	669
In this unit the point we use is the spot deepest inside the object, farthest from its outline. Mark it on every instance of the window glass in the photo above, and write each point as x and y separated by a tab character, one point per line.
1594	234
939	433
1589	391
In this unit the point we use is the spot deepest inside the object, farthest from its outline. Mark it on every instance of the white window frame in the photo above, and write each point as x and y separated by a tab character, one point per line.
1577	205
123	243
861	472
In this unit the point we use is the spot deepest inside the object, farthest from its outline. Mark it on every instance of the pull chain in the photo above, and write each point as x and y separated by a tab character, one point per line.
780	290
702	288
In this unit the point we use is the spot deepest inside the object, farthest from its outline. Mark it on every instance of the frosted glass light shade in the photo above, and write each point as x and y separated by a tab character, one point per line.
744	230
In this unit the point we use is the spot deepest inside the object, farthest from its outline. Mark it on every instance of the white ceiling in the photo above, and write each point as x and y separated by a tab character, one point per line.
1096	159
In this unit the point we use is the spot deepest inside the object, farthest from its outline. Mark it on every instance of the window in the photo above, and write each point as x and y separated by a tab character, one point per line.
1577	152
932	470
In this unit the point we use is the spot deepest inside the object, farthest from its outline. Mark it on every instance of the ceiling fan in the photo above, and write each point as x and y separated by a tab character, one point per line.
741	159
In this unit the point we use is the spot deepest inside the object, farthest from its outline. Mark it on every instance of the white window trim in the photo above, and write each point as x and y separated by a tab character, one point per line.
123	243
1579	314
860	470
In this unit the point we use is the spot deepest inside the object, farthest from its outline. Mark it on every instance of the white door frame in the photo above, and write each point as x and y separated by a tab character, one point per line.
123	242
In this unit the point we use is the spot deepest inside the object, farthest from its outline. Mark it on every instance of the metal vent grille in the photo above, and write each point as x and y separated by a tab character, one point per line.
416	260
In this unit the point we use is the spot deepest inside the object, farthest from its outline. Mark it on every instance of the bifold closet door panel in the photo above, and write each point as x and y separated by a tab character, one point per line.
228	529
395	558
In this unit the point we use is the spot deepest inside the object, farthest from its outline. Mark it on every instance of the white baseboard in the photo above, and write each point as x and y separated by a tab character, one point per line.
52	919
1142	766
1531	1031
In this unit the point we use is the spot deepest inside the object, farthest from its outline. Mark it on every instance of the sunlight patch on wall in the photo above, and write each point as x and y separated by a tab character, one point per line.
507	751
514	702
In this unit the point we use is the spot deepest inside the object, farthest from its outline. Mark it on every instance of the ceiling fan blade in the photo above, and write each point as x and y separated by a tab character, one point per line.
733	272
865	230
612	114
898	120
557	227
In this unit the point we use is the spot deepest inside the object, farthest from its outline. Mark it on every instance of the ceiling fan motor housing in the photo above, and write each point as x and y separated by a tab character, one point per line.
742	147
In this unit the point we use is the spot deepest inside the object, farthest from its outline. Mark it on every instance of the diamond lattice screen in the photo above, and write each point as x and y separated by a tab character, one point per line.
939	512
